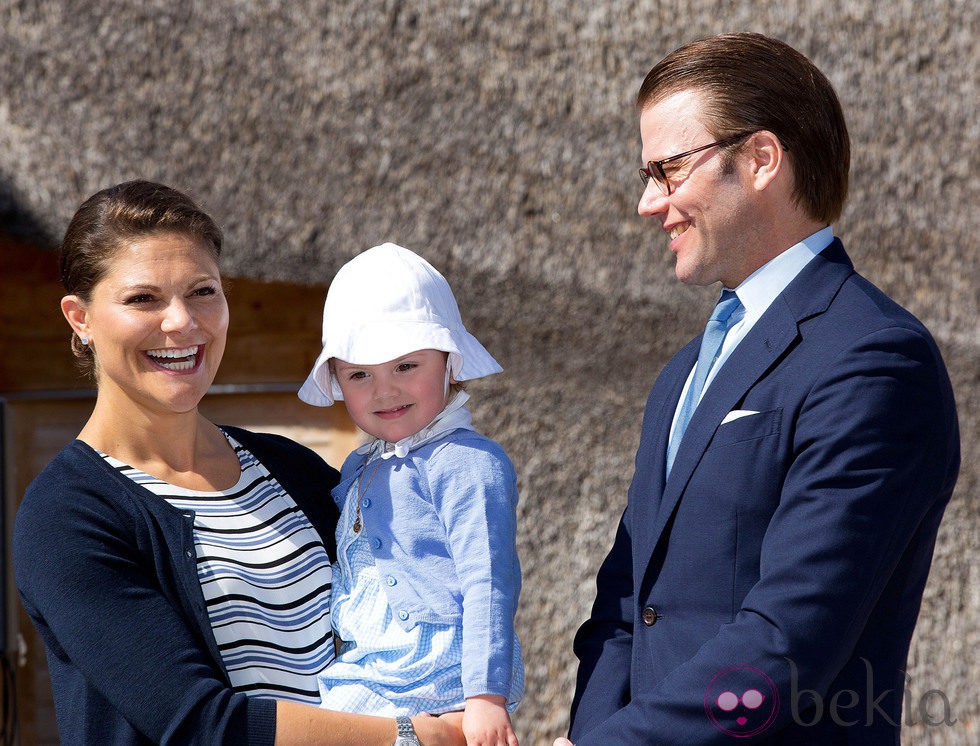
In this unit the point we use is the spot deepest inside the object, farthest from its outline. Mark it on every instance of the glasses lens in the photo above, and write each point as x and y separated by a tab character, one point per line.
652	172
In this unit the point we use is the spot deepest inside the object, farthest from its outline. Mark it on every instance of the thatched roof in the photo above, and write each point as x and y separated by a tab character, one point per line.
499	135
499	139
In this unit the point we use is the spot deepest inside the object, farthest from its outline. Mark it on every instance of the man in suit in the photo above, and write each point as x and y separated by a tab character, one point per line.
793	469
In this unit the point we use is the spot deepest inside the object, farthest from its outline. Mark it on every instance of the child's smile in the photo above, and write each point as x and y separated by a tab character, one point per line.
391	414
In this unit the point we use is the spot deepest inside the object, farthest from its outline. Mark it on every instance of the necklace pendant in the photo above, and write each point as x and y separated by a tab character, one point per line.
361	490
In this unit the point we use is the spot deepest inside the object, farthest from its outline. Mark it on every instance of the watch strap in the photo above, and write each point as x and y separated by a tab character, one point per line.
406	732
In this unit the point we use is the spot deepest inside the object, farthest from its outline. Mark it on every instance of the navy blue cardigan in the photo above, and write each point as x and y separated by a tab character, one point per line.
107	573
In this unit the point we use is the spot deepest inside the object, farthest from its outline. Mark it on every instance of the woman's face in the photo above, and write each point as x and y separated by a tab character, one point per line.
157	323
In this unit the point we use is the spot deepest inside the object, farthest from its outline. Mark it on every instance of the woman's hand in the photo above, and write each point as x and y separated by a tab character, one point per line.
445	730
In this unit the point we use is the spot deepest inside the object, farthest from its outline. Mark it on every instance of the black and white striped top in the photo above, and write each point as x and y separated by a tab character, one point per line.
266	579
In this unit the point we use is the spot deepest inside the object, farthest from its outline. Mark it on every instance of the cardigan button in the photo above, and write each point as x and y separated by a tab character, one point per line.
649	616
390	580
403	615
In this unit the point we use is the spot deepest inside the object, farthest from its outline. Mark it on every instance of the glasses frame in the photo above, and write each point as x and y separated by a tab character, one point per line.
647	173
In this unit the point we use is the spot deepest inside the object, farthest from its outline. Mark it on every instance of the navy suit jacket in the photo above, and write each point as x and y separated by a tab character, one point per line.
768	589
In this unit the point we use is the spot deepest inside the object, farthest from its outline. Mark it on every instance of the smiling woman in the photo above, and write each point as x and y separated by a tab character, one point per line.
155	525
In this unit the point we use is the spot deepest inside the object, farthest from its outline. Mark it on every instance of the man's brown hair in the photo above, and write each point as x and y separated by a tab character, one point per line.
753	82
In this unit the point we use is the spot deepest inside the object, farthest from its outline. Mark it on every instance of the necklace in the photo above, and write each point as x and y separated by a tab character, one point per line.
361	490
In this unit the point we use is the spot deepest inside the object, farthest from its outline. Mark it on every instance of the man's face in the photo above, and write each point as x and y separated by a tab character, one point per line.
708	215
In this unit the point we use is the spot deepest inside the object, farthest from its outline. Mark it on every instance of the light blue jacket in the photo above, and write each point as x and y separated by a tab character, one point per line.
441	522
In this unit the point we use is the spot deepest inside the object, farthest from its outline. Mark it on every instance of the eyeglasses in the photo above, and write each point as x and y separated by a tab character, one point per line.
655	169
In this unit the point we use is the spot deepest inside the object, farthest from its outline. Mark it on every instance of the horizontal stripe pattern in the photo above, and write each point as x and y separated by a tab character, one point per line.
266	579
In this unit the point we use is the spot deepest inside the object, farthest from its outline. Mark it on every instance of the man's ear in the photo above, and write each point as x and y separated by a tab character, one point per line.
768	158
77	315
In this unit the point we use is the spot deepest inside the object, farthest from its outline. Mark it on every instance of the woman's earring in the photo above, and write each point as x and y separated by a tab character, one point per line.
83	339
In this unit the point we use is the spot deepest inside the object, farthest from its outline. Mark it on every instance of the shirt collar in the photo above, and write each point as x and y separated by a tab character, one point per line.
759	289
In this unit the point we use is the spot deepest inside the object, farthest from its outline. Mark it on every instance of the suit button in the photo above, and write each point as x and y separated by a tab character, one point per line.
649	616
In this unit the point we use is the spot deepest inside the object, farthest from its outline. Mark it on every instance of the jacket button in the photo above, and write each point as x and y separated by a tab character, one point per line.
649	616
366	502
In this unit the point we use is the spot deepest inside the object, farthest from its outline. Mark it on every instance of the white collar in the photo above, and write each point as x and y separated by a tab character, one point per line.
453	417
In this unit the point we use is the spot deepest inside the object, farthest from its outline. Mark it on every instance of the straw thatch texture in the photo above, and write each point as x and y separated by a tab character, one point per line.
499	140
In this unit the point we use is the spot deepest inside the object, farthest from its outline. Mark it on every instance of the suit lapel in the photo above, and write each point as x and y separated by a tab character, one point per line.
810	293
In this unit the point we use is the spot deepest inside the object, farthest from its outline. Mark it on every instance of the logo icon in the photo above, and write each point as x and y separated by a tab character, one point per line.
741	701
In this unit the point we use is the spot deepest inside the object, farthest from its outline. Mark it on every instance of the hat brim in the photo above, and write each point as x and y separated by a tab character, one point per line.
376	343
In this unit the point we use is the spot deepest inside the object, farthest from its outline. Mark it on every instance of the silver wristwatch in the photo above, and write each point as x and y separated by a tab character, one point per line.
406	733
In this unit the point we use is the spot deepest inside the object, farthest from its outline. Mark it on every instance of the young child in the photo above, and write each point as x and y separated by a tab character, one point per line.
427	576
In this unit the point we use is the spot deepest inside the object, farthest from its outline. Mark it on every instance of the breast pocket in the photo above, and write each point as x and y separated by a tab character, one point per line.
750	427
745	464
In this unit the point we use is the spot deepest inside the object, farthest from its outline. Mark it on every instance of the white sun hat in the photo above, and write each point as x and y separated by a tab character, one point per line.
384	303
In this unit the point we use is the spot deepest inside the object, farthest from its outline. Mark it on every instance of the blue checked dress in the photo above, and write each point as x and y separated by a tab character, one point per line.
419	668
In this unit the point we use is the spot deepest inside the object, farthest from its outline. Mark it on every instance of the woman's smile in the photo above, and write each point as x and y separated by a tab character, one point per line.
177	359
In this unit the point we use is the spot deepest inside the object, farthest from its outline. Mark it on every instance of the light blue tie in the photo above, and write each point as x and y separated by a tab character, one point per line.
722	319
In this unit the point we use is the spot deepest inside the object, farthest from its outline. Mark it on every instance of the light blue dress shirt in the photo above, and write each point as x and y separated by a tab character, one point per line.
757	292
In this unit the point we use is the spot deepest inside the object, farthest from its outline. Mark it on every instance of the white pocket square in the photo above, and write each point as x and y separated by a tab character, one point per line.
737	414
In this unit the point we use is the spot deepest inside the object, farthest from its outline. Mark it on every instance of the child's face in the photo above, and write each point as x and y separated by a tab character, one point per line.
396	399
